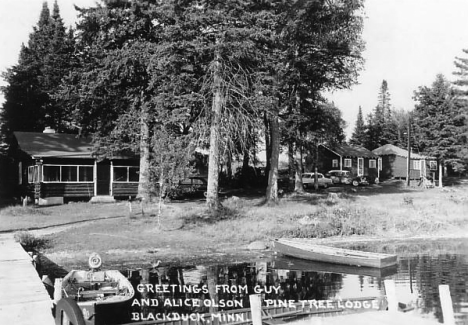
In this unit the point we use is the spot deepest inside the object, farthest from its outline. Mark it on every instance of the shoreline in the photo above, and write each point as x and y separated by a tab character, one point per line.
233	255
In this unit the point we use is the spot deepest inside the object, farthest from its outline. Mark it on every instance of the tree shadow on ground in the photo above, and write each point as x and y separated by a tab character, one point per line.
386	187
47	268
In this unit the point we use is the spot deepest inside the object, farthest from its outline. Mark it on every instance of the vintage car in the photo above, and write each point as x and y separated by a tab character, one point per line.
360	180
345	177
308	180
190	186
340	176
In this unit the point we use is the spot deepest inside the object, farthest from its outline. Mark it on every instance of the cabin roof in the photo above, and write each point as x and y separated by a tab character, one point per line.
54	145
344	150
390	149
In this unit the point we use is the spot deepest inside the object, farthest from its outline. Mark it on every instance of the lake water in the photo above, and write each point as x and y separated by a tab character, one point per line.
422	267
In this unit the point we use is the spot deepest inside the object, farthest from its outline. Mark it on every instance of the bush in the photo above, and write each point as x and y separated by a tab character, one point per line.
30	242
336	222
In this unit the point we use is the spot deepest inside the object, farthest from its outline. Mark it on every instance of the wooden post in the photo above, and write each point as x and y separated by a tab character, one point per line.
37	182
256	309
57	290
446	304
408	171
390	292
441	167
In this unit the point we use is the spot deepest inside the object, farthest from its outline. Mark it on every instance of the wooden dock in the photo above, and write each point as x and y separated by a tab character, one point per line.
23	297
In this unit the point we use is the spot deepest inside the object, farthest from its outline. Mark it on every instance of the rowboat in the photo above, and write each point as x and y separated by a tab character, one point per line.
302	248
93	297
297	264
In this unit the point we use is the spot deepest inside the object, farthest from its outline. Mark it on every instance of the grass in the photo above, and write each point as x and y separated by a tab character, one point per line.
186	230
30	217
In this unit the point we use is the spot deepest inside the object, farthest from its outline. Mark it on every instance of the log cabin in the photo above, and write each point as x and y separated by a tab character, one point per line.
395	163
53	168
358	160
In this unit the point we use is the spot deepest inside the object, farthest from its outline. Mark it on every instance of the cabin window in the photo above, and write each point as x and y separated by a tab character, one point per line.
347	162
433	165
335	163
33	174
68	173
133	175
20	173
51	173
85	173
416	164
372	163
125	174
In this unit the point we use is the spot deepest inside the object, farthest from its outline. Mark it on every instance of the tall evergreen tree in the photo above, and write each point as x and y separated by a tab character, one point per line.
461	84
381	124
319	47
42	64
461	91
359	134
401	118
438	121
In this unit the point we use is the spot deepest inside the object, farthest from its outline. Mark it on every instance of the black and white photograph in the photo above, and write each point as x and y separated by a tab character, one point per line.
238	162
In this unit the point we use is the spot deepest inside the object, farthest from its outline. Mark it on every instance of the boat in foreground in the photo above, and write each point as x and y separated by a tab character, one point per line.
92	297
303	248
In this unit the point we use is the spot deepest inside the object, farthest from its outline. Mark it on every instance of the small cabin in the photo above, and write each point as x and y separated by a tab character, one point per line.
358	160
53	168
395	163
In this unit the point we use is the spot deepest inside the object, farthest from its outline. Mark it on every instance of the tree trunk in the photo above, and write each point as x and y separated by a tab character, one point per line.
291	163
143	181
272	189
441	167
245	168
267	147
298	186
212	199
229	167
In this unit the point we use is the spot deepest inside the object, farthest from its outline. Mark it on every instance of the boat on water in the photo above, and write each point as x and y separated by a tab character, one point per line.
298	264
303	248
93	297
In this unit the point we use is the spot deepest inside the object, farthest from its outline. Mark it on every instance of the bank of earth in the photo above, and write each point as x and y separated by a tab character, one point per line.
184	234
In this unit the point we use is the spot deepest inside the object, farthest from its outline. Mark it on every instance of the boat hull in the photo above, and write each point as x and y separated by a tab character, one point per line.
102	296
305	250
297	264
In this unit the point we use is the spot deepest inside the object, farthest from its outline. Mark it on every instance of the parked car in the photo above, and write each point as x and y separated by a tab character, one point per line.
191	186
340	176
308	180
360	180
345	177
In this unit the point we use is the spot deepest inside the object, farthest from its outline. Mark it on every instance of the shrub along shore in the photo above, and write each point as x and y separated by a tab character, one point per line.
185	233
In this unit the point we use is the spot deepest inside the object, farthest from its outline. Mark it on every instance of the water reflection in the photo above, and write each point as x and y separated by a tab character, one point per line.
207	287
420	277
417	278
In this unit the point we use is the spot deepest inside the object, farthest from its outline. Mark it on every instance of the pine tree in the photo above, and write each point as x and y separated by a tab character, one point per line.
461	92
359	134
381	126
438	121
42	64
22	109
461	84
400	120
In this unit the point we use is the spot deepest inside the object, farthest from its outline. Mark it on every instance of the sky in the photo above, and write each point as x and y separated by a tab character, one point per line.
408	42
